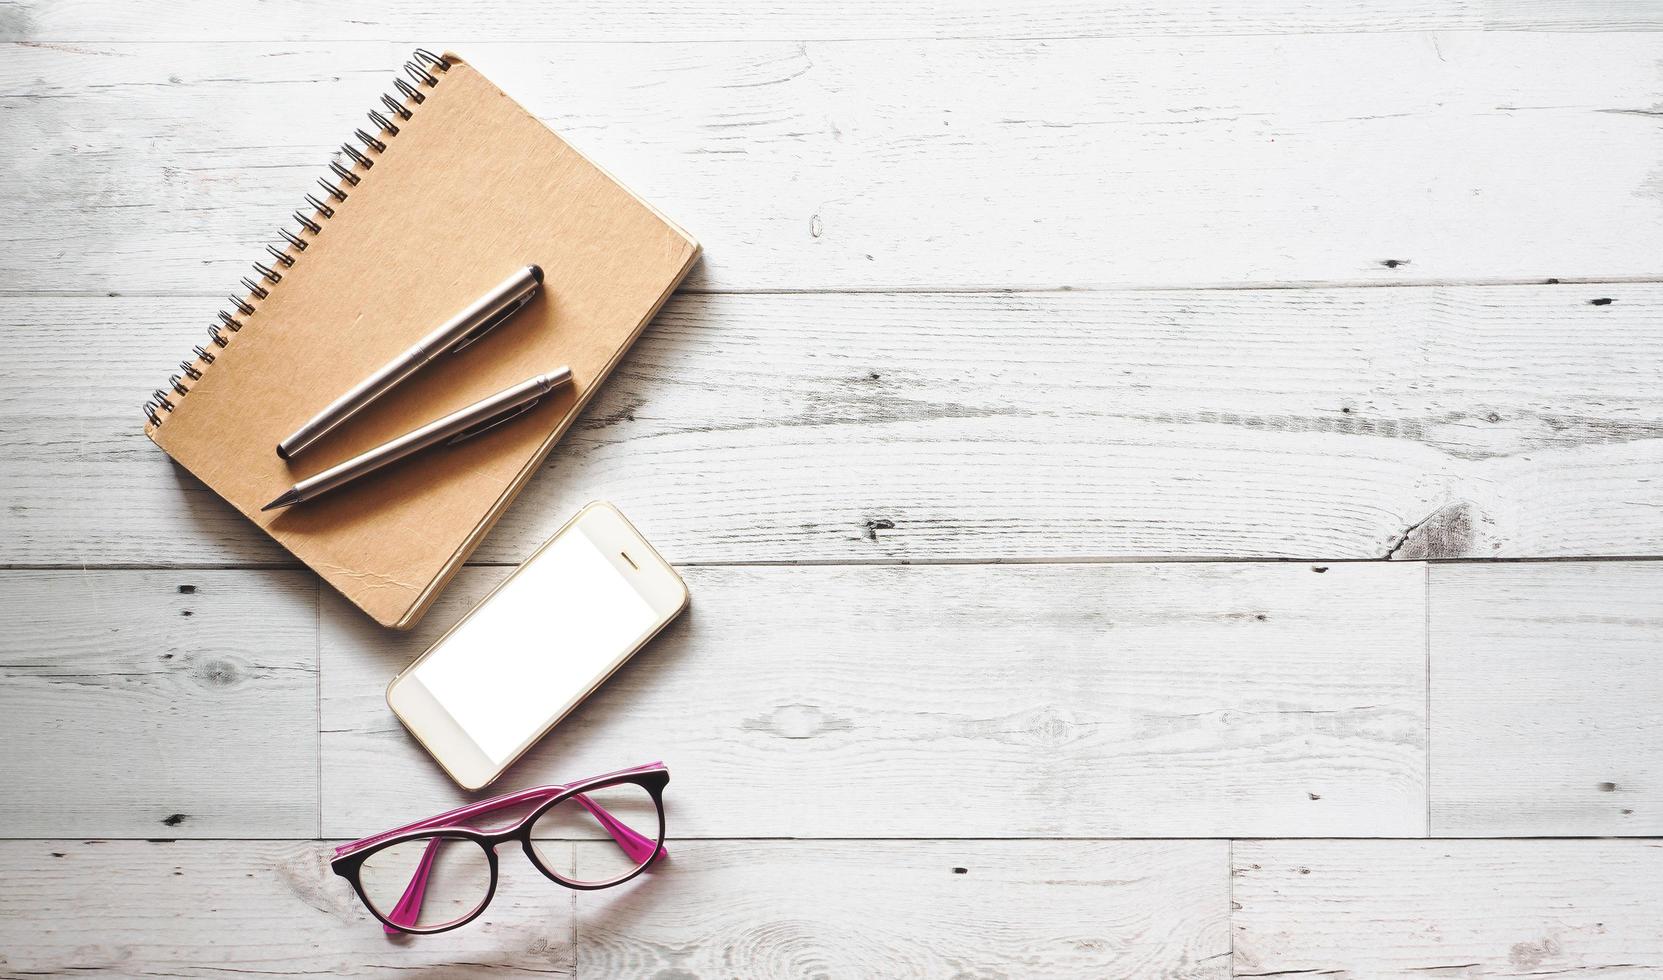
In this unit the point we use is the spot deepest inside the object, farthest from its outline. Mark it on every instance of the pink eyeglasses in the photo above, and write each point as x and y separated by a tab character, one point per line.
441	872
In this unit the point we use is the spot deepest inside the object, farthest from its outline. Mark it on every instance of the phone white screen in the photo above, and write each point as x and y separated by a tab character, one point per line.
537	646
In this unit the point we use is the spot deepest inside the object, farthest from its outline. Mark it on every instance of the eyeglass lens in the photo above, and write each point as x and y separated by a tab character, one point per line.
428	882
600	822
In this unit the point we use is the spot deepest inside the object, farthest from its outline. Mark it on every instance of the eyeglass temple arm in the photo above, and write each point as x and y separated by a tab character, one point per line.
634	844
638	847
452	817
409	906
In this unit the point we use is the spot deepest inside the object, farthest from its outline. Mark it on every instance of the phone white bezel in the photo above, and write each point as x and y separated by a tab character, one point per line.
639	564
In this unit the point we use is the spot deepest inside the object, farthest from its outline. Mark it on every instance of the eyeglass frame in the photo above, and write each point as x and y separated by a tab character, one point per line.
349	859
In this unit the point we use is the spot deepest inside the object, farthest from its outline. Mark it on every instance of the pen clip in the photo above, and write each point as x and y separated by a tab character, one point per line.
493	422
491	324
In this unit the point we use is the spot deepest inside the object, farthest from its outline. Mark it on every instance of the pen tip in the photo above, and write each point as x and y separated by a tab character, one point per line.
536	273
288	497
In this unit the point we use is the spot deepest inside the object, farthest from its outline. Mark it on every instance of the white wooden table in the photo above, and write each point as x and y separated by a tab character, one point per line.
1114	450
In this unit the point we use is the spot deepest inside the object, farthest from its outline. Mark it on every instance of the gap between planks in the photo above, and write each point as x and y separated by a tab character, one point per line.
868	562
1266	286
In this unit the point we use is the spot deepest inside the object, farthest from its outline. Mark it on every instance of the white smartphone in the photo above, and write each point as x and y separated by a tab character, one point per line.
537	645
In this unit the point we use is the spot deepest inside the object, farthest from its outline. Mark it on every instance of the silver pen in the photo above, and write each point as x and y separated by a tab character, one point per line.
454	334
463	424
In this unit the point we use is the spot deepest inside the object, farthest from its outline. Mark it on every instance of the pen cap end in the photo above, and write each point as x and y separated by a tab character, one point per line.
536	273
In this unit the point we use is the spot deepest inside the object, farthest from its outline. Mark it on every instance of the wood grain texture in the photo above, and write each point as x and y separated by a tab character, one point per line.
42	21
235	908
1084	701
850	383
1371	158
1317	424
791	909
457	21
1518	908
149	704
1545	687
780	909
1572	15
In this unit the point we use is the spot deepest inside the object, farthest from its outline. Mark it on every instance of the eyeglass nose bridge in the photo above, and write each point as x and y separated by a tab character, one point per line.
491	840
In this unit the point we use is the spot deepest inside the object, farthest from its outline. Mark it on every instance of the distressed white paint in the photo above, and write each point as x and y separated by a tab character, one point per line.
1142	700
903	909
902	164
456	21
158	704
1546	682
860	164
1313	424
757	909
234	908
1464	908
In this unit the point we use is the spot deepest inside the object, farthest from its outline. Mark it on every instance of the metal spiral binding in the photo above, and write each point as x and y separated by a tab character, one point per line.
424	70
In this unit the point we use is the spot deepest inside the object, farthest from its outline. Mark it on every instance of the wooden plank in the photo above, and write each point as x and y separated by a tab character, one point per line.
633	20
234	908
1371	158
1545	686
74	459
474	21
1572	15
1145	700
1315	424
1447	908
1041	908
917	909
155	704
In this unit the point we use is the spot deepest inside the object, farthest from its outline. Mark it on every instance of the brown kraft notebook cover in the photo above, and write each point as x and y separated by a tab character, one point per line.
469	189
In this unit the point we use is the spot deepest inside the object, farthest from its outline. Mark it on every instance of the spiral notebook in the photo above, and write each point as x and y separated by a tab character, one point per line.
452	186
